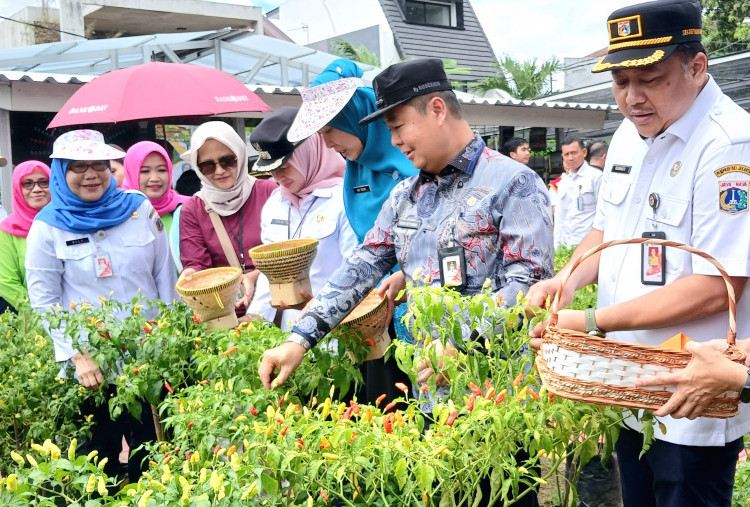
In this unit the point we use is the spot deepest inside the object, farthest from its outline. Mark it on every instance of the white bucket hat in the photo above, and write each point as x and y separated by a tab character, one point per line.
320	104
84	145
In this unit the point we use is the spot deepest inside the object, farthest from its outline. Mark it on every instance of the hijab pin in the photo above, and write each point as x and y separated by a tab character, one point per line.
101	234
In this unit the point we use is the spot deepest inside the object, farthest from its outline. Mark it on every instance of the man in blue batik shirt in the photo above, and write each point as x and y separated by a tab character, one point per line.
466	195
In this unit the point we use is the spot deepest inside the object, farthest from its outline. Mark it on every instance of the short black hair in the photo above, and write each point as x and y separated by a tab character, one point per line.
598	149
686	51
512	145
451	101
572	139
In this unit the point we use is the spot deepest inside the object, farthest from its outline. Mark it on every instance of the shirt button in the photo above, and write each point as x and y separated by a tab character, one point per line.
637	200
101	234
717	111
650	160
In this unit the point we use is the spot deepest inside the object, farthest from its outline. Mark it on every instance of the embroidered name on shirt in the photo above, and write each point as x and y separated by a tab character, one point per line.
279	221
362	189
734	168
408	224
79	241
621	169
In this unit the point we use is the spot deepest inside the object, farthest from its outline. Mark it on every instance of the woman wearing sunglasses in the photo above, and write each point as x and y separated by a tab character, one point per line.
94	241
228	206
30	194
148	168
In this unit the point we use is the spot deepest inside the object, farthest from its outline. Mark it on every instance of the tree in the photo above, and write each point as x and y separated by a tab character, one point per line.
521	79
724	27
361	54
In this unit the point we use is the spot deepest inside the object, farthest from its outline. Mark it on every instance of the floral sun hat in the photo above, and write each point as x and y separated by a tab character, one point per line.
84	144
320	104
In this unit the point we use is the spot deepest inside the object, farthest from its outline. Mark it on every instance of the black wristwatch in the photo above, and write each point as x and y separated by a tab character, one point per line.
589	316
745	393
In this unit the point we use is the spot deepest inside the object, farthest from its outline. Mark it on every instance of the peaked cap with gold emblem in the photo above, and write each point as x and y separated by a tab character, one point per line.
647	33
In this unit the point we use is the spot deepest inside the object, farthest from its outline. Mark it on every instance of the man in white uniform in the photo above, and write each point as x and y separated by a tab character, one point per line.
577	191
675	169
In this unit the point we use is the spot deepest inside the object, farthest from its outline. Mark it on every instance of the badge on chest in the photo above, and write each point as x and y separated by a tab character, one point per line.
452	267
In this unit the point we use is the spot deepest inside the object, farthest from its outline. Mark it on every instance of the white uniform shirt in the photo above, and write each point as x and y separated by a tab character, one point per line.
321	216
60	266
572	223
3	213
689	166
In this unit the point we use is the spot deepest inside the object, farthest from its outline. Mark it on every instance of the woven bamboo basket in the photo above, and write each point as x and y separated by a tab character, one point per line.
286	264
211	294
370	318
585	368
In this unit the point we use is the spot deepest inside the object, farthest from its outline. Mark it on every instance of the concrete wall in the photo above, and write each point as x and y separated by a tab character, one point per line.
578	73
312	21
13	35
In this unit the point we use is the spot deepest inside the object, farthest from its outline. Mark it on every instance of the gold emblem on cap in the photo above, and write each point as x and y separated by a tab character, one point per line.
675	168
264	155
320	218
471	201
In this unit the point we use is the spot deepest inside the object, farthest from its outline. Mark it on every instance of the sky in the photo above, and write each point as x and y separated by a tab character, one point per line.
522	29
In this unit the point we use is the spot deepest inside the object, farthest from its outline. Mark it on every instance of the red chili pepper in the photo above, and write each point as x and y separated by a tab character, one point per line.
166	454
300	443
284	430
379	399
190	425
470	403
387	424
370	342
147	329
216	449
252	410
501	396
401	387
347	414
517	380
187	456
490	393
551	397
196	319
135	370
451	418
281	400
229	351
475	389
487	384
324	496
169	388
152	322
354	435
279	420
424	388
203	382
124	348
389	406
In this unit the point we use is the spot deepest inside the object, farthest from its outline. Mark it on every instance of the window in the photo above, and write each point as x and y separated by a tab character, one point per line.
435	13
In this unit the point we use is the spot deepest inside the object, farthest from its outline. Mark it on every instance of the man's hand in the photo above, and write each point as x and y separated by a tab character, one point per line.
425	370
538	293
88	373
391	287
306	298
708	374
248	287
285	358
566	319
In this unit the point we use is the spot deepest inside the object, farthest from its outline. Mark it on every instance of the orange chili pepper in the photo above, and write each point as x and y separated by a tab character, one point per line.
517	380
401	387
379	399
475	389
230	350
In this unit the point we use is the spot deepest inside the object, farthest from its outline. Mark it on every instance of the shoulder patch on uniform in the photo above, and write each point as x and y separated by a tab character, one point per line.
733	196
733	168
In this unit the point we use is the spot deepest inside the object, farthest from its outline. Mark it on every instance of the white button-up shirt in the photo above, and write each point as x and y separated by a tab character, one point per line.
321	216
60	267
575	205
697	168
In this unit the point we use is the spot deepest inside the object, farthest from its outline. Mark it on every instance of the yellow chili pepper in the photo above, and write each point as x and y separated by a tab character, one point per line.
17	458
440	450
332	457
326	408
12	483
143	502
91	484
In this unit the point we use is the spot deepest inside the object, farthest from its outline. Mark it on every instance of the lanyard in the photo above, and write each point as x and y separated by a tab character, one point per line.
289	234
238	239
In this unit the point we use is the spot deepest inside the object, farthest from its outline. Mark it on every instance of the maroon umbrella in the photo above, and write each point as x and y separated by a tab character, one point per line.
157	90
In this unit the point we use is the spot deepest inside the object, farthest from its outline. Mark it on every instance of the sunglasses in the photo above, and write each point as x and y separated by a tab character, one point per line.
208	167
29	184
82	167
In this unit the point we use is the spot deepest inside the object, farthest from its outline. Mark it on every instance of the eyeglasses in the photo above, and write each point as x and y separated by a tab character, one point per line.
29	184
82	167
208	167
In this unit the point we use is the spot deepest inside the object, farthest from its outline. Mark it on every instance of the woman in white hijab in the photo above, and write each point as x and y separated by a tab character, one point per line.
232	196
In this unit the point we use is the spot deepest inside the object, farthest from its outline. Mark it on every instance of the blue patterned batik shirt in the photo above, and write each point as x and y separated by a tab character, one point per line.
494	207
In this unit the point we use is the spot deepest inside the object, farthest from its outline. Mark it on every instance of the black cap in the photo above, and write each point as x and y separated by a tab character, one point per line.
269	139
648	33
404	81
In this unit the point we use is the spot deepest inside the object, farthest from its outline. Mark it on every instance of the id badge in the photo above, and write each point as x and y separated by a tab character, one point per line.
102	265
653	260
452	267
579	203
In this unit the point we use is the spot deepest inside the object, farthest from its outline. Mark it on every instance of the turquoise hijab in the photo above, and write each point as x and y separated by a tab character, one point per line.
70	213
380	166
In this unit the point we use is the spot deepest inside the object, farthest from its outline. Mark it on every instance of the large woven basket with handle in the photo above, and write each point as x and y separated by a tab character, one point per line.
585	368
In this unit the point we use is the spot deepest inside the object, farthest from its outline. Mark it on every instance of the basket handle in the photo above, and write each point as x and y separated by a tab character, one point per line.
218	300
731	334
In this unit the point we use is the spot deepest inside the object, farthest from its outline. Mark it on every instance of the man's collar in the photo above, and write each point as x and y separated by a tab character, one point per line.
685	125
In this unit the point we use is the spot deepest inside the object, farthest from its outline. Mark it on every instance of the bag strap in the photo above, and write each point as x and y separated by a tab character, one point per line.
221	233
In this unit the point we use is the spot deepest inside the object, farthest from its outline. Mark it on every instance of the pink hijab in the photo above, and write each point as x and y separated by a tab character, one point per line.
319	165
134	160
18	223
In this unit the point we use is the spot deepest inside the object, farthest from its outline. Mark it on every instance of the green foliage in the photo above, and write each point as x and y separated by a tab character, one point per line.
361	54
724	27
523	80
585	297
